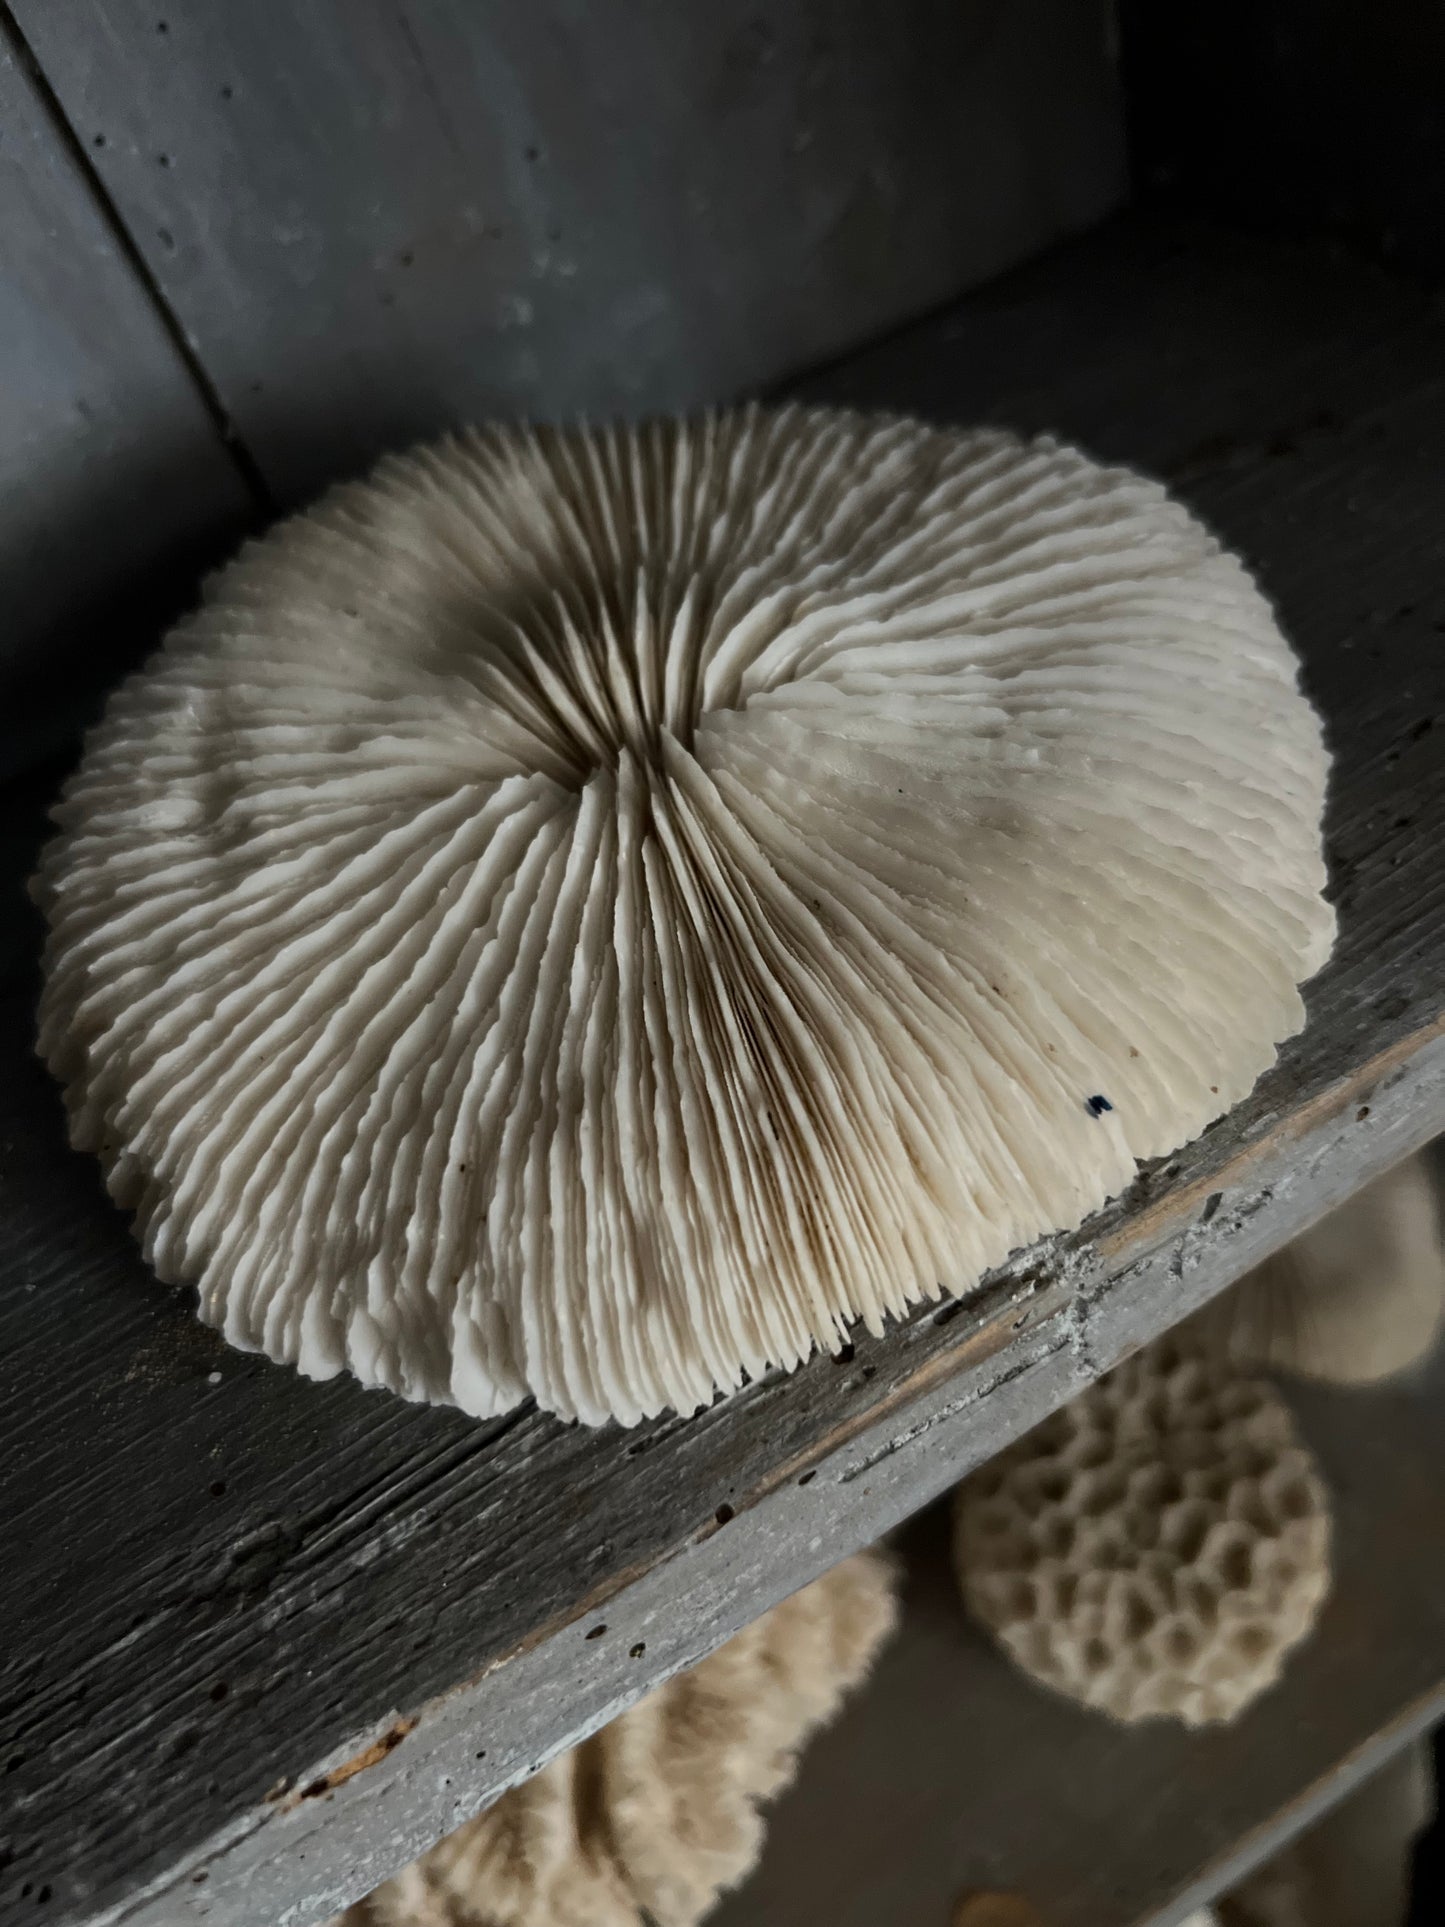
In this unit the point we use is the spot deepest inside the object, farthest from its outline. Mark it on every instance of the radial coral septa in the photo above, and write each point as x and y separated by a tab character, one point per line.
595	912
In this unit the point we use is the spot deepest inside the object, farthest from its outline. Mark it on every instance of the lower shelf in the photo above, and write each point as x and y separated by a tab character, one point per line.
952	1772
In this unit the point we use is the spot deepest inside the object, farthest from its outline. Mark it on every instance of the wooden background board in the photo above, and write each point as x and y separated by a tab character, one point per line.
231	1592
952	1772
114	484
372	219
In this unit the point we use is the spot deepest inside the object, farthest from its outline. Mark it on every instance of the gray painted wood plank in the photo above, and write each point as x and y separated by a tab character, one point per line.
376	218
264	1640
951	1772
114	484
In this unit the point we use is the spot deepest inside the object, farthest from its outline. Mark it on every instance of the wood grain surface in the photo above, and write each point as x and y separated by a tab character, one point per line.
263	1640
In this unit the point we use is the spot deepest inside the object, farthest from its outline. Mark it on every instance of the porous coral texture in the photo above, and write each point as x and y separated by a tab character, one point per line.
652	1818
591	913
1155	1548
1357	1298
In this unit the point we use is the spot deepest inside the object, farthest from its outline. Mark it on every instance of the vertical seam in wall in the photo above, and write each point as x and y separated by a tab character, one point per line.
210	398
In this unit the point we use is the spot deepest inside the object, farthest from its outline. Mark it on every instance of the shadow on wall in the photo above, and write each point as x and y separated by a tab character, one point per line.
1427	1890
94	573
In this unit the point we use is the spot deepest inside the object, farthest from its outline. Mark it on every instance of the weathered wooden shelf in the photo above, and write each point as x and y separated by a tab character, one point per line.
263	1640
951	1772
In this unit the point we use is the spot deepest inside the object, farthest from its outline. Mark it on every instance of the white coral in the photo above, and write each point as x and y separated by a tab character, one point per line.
657	1814
1156	1547
1355	1299
592	913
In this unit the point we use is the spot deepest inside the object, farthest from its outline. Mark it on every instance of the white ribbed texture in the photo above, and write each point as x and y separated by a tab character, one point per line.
591	913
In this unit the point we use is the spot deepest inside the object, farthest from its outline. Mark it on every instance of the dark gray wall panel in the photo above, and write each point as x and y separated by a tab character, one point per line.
374	218
1297	115
112	475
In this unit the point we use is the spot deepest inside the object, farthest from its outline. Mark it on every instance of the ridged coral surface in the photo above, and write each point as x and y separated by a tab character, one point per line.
591	913
1155	1548
648	1821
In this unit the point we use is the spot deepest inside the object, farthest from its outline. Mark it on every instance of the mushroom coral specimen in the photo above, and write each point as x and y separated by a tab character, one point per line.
591	913
1357	1298
1156	1547
655	1815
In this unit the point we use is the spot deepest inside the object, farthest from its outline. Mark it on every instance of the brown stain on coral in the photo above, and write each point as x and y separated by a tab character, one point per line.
1044	1288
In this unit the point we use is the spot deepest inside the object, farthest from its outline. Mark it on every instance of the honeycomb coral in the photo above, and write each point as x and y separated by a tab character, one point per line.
650	1819
590	913
1157	1546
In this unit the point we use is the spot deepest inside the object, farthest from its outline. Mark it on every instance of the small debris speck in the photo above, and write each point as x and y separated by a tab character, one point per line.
1098	1105
213	1378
